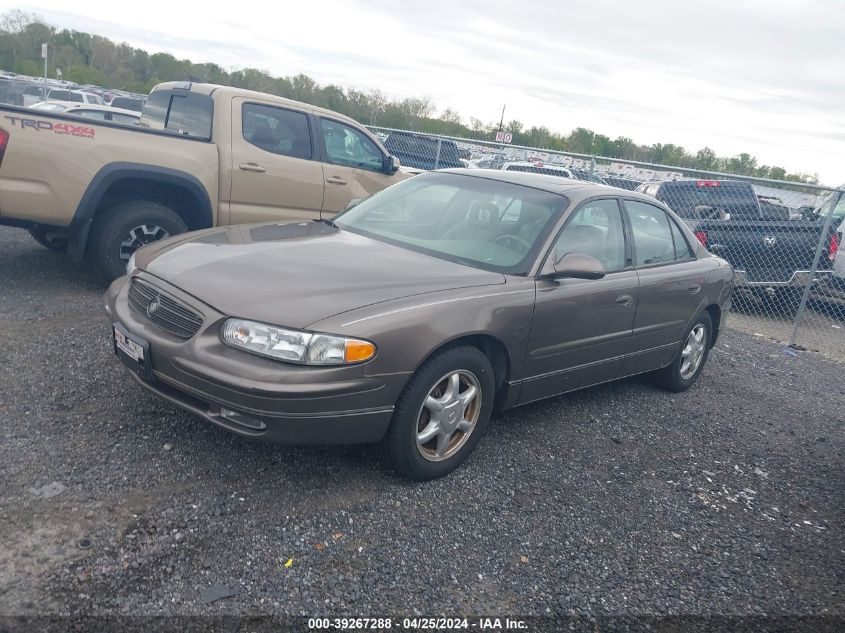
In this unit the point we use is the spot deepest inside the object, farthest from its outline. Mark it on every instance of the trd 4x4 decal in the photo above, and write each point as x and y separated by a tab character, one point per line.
47	126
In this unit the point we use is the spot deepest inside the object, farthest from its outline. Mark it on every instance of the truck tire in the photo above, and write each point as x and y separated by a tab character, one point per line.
120	230
54	242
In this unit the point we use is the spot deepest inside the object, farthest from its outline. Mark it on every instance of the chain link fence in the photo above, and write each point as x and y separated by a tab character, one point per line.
782	238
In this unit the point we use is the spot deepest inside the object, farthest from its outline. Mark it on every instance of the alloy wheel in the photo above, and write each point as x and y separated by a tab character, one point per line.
448	415
138	237
693	351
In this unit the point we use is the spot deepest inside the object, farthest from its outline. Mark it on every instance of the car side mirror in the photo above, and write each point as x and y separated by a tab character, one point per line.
391	165
579	266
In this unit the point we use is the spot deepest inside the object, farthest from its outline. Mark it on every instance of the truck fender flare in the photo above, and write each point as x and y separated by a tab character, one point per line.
83	218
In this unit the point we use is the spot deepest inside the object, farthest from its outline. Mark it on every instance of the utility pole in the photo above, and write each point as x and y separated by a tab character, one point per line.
502	120
44	55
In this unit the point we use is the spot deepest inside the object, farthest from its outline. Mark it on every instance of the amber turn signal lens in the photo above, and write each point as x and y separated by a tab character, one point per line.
357	351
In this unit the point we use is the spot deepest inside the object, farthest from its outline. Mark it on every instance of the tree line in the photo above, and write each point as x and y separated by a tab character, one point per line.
87	58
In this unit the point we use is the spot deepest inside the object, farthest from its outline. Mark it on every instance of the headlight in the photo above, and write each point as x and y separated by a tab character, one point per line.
295	346
130	265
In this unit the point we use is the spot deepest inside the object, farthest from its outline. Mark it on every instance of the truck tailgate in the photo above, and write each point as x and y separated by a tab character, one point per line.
766	251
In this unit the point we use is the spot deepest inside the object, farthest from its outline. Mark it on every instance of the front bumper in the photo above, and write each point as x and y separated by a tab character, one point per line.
253	396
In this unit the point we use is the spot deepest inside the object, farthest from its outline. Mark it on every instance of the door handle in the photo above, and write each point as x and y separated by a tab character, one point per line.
694	288
336	180
253	167
624	300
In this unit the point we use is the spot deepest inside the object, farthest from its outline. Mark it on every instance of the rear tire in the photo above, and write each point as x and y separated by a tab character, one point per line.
690	358
120	230
54	243
455	417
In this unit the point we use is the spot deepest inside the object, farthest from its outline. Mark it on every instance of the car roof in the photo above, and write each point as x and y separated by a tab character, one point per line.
569	187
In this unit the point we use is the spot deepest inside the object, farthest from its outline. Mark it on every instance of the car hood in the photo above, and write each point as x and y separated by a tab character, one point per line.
297	274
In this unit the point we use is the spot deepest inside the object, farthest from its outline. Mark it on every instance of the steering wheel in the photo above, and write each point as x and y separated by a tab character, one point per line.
513	238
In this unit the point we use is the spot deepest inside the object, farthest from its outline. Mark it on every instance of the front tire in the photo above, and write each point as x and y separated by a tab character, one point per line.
121	230
441	415
690	358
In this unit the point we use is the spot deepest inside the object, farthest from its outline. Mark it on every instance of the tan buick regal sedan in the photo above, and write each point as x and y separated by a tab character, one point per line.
416	314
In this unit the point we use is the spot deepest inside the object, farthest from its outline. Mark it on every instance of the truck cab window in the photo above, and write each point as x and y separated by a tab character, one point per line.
347	146
277	130
183	112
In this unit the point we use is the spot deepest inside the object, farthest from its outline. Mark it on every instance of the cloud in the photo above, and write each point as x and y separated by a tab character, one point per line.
752	76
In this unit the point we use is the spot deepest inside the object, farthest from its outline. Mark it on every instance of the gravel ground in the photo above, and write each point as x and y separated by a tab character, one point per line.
621	499
821	329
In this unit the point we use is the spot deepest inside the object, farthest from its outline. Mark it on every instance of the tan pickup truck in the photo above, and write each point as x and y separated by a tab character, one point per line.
201	156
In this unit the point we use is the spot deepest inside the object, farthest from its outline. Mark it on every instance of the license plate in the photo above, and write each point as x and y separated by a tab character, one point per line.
133	351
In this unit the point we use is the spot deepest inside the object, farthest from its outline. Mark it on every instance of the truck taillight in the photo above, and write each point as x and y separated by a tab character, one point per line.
701	236
833	247
4	141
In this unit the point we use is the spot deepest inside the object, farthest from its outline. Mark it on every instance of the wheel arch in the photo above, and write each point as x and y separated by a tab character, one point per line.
492	347
118	182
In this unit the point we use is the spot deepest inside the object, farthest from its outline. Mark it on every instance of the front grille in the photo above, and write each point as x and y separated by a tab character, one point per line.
171	315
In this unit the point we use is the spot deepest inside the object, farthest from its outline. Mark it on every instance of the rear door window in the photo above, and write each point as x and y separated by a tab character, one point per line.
682	247
277	130
652	232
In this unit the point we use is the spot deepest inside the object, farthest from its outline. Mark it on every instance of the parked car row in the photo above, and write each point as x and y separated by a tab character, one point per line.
89	111
26	91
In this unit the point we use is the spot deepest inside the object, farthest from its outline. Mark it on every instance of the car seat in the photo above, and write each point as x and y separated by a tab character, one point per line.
478	225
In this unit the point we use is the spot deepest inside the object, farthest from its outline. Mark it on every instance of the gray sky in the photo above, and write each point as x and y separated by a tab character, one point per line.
761	76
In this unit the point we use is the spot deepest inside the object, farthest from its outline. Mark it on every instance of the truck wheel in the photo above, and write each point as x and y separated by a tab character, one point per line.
53	242
122	229
690	358
441	415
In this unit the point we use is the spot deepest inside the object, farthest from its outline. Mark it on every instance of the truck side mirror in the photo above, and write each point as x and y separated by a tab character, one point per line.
391	165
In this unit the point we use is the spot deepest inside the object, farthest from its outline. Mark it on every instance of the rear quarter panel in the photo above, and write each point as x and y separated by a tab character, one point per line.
51	160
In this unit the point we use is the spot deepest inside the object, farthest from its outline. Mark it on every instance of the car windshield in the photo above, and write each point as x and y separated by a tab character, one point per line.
479	222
